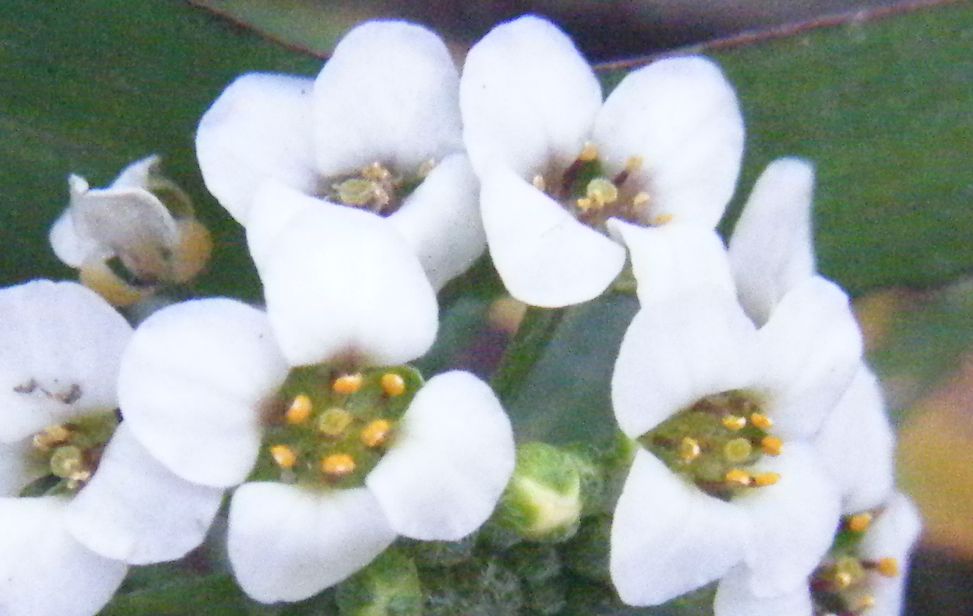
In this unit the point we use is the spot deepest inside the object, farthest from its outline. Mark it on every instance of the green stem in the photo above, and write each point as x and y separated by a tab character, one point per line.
534	334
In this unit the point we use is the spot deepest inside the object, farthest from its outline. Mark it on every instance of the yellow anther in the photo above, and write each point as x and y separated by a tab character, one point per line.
376	433
584	204
640	199
689	449
734	422
739	477
634	163
865	602
588	153
842	580
283	456
888	567
51	436
376	171
860	522
299	410
771	445
357	191
737	450
601	191
347	384
539	182
761	421
662	219
337	465
334	421
393	384
762	480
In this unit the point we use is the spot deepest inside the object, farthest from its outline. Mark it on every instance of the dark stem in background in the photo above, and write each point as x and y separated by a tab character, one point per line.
528	345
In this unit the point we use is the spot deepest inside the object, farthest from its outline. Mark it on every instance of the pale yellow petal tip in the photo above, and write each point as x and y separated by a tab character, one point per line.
194	251
337	465
97	276
347	384
393	384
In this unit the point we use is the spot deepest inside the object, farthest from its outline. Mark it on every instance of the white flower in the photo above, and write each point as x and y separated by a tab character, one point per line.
771	252
95	505
725	413
378	129
555	162
144	220
339	447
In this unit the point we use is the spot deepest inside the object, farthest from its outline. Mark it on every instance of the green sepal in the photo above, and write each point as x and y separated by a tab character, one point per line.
440	553
389	586
481	587
587	553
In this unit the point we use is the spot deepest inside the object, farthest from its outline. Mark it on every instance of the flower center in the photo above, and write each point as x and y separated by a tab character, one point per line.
590	194
376	187
329	428
714	442
69	454
842	583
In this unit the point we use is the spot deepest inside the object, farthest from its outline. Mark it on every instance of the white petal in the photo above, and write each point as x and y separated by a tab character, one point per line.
287	543
544	256
810	350
452	458
669	538
792	522
258	129
771	250
43	569
893	534
341	282
138	174
674	258
192	383
135	510
72	249
441	220
528	98
60	346
676	352
856	445
389	93
16	467
276	204
733	598
681	116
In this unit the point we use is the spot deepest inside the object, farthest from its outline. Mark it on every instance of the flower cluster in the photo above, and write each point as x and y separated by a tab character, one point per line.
755	451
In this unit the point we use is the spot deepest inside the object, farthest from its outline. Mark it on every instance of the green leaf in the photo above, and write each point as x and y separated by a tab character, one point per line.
218	593
92	86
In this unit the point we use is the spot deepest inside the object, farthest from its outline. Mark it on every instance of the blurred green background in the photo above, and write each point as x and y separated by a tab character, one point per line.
878	94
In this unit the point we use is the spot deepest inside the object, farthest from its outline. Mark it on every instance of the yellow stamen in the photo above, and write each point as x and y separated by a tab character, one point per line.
860	522
337	465
299	410
539	182
640	199
662	219
347	384
762	480
689	449
737	450
888	567
284	456
634	163
393	384
866	602
376	433
601	192
734	422
51	436
376	171
334	421
739	477
771	445
761	421
588	153
585	204
842	580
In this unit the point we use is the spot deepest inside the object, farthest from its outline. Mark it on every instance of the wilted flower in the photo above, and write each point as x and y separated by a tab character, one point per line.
80	499
555	163
378	130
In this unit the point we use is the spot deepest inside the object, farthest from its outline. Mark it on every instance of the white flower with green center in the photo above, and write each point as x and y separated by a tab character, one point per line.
771	252
80	498
556	163
313	408
132	236
726	475
377	130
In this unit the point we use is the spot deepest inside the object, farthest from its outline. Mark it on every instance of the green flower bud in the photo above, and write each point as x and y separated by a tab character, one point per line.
442	553
543	500
534	563
482	587
389	586
587	553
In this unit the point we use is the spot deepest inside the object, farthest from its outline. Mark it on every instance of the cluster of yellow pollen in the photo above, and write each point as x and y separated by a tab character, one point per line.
72	451
594	197
841	584
376	187
716	441
337	427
